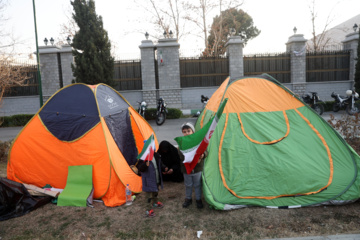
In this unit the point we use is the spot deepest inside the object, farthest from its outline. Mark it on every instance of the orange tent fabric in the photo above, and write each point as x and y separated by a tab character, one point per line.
82	125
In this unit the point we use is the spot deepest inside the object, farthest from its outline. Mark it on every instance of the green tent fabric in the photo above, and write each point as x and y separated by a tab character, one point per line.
270	149
78	186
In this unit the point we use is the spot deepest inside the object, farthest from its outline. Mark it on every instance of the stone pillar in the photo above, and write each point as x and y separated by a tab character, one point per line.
55	66
169	72
66	59
147	50
49	70
351	43
234	50
296	46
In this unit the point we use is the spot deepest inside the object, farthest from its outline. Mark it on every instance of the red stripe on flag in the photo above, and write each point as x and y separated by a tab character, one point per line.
201	149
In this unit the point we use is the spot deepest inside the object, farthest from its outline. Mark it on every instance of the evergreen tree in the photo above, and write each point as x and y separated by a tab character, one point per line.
220	29
357	68
93	61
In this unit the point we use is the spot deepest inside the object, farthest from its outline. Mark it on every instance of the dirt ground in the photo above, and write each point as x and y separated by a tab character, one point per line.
175	222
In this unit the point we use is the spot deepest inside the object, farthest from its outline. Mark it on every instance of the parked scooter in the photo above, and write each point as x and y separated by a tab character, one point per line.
204	100
314	102
161	111
142	108
347	103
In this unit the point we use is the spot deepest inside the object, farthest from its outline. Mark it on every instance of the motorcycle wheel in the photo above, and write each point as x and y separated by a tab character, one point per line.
319	108
160	118
352	111
336	107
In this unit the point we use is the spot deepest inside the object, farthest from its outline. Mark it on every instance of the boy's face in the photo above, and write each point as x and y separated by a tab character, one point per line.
187	131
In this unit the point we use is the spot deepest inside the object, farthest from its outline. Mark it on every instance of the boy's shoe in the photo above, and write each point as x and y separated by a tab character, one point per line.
199	204
150	213
187	203
158	205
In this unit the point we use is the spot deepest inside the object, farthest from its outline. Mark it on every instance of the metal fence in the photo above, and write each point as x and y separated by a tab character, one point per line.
203	72
30	86
275	64
327	66
127	75
212	71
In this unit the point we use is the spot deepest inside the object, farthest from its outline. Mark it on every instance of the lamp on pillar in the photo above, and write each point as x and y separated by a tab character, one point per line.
232	31
242	35
68	40
147	35
171	34
295	30
52	41
355	27
46	41
164	34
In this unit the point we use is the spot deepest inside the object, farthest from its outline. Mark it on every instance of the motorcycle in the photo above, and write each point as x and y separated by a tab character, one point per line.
142	108
204	100
348	103
161	111
313	101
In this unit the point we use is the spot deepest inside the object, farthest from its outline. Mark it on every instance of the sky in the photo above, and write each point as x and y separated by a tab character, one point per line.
126	24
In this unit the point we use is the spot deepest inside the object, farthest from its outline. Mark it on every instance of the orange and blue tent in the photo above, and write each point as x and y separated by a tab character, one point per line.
82	125
270	149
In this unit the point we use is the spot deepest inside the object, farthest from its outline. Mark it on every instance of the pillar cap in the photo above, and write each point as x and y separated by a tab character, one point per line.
146	44
296	38
65	48
234	40
168	42
48	49
351	37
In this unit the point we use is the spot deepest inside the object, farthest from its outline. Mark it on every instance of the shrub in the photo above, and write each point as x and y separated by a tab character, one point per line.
328	106
16	120
173	113
4	149
348	127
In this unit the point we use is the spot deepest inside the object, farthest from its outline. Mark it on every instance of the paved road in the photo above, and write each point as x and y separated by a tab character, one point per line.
168	131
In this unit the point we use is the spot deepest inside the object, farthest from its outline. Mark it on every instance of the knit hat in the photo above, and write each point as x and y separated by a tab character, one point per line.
189	125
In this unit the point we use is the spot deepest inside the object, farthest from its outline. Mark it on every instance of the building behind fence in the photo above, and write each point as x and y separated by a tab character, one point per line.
181	81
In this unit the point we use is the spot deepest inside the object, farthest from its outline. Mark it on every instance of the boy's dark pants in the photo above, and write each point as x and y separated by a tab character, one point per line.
152	197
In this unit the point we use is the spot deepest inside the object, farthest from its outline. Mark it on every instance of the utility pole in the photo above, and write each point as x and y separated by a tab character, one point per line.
38	59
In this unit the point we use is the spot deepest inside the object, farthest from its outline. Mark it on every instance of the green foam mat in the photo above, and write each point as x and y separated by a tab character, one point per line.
78	186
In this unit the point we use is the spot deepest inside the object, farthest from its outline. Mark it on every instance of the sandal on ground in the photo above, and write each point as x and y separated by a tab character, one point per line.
158	205
150	213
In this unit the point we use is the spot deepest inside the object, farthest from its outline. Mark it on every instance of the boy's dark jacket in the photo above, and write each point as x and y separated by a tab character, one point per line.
148	174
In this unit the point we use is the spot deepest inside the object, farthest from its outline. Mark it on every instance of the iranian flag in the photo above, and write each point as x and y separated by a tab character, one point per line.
192	146
148	150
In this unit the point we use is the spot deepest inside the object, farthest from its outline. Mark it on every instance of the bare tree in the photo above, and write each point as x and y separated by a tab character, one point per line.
200	11
319	40
68	28
165	15
11	74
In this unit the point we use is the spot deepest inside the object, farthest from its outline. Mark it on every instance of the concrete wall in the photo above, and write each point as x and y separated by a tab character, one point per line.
324	89
19	105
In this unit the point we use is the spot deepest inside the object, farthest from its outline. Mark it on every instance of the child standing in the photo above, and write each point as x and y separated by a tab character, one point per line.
192	180
150	172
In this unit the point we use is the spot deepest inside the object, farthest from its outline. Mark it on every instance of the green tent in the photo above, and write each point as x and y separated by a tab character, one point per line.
270	149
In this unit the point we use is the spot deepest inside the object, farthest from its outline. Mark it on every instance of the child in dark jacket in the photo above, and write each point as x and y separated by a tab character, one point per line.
150	172
192	180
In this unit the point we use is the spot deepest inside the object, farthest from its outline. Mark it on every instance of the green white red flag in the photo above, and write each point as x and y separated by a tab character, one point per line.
194	145
148	150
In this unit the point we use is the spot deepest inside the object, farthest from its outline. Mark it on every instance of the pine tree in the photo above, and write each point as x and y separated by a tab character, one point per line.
93	61
357	68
